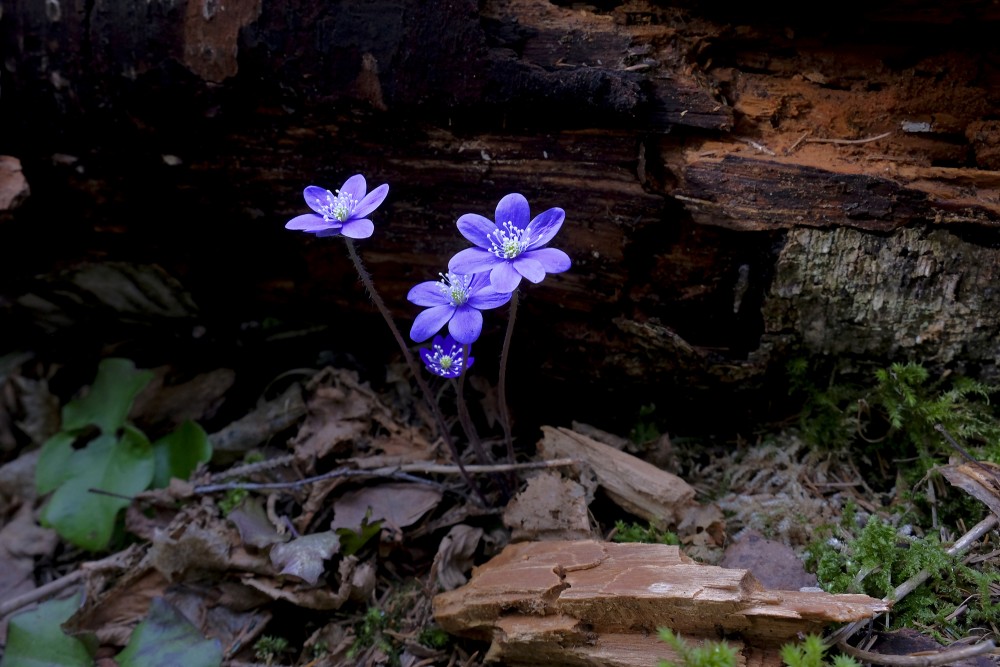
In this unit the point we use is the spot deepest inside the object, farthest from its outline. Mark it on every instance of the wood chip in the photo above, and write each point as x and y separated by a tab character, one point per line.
574	602
635	485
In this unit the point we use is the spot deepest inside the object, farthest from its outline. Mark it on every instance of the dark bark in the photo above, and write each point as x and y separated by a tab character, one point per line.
715	227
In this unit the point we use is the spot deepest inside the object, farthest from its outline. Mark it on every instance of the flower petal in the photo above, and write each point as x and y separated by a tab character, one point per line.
553	260
310	222
504	278
488	298
472	260
530	268
355	186
332	231
544	227
428	294
358	229
476	229
429	322
469	362
371	201
317	198
426	353
466	325
513	208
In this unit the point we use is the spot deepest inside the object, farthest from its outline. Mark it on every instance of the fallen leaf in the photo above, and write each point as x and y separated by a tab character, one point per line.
454	556
304	557
550	507
22	540
256	530
398	504
166	638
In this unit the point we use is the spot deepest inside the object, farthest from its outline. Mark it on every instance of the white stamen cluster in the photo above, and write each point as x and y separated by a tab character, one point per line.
338	207
446	363
508	241
455	287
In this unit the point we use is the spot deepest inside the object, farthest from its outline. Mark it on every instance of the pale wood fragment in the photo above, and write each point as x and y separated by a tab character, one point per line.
637	486
589	602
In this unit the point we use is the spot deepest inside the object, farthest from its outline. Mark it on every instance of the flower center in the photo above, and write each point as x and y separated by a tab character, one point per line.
508	241
455	287
446	363
338	207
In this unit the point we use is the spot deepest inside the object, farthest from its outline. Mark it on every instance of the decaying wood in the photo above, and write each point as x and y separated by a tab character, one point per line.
637	486
588	602
740	186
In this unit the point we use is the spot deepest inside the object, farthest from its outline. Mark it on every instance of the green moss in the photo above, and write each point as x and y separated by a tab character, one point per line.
810	653
648	534
709	654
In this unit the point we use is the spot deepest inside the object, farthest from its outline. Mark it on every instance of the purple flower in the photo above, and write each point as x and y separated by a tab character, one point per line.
445	357
342	212
454	300
513	247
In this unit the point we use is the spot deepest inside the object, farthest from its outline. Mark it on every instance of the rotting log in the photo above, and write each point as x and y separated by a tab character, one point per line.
740	185
586	602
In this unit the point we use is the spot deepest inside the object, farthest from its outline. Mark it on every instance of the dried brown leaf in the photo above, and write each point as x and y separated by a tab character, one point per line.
304	557
550	507
398	504
255	529
454	556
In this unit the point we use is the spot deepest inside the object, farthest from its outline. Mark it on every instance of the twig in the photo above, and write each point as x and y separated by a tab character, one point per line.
908	586
791	149
400	472
944	657
866	140
112	562
759	146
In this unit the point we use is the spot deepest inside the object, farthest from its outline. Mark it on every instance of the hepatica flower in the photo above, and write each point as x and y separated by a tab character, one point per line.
340	212
445	357
512	247
454	300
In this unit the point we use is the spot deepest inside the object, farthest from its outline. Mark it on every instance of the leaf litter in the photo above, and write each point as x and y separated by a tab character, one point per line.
346	566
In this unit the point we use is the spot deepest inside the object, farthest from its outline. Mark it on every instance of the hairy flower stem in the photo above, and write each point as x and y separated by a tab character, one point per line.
502	381
432	405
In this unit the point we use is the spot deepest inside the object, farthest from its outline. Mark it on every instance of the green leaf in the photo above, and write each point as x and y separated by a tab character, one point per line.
180	452
35	638
166	638
53	467
121	466
110	398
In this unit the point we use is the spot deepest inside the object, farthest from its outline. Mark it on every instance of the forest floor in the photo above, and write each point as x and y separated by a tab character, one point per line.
329	518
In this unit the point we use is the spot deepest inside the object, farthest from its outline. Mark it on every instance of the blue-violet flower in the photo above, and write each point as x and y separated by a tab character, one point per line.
513	247
445	357
454	300
342	212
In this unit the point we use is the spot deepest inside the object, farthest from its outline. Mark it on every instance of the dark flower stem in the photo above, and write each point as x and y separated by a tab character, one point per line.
425	389
502	382
463	413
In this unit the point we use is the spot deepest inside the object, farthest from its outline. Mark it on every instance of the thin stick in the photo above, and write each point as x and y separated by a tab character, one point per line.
502	381
411	362
791	149
112	562
389	471
934	659
908	586
866	140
